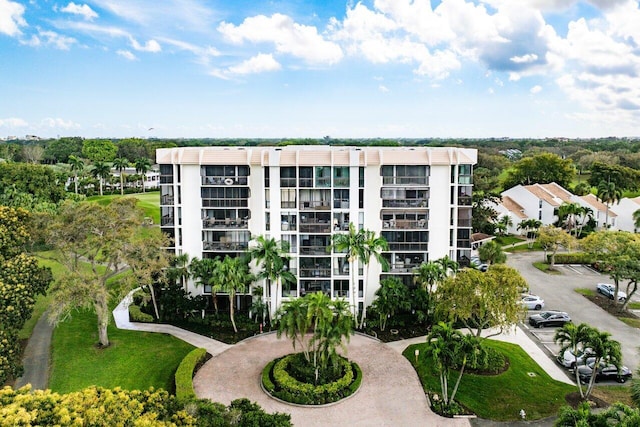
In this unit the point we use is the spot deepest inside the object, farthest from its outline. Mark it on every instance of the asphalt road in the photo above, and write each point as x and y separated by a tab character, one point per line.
557	290
36	356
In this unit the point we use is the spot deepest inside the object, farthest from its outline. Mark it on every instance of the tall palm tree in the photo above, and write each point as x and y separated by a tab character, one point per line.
568	214
375	245
448	265
427	275
608	193
180	269
358	246
442	347
603	348
120	164
77	165
233	276
203	270
503	224
143	164
530	227
271	256
573	338
101	170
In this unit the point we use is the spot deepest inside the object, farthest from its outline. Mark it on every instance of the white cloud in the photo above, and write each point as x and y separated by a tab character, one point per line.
383	89
258	64
13	122
536	89
289	37
59	123
203	54
524	59
150	46
11	18
126	54
83	10
51	38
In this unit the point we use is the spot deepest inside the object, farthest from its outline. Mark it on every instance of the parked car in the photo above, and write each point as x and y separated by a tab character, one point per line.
478	265
605	372
532	302
608	289
549	318
569	359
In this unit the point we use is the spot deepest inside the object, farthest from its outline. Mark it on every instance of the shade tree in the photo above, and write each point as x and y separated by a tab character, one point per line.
551	239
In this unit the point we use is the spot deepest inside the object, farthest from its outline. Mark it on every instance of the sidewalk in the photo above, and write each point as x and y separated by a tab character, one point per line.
121	318
36	358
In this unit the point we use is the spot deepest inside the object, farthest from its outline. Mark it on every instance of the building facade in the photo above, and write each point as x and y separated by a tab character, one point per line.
214	200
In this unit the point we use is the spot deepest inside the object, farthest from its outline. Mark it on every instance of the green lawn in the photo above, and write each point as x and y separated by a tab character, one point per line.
634	305
524	247
135	360
150	202
588	292
525	385
509	240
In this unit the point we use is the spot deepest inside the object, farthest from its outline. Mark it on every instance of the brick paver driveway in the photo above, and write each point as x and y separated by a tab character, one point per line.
390	395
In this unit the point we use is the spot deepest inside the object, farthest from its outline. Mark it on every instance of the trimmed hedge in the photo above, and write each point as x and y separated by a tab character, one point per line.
277	381
136	315
186	370
572	258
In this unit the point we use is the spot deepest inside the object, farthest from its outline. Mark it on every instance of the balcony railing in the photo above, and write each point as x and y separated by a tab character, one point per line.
166	200
404	224
225	246
315	227
225	203
405	180
167	221
315	205
405	203
225	223
463	244
224	180
314	250
408	246
315	272
464	222
464	201
340	182
288	182
341	203
306	182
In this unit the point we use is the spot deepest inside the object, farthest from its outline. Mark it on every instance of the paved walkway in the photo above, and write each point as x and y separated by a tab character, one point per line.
36	358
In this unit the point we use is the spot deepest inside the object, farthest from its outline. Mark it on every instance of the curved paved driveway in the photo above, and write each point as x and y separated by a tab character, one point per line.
390	394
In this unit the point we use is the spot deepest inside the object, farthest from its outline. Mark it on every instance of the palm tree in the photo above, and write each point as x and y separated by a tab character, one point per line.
568	214
233	276
448	265
101	171
77	165
530	226
271	256
636	219
573	338
358	245
120	164
180	270
374	247
492	253
603	348
608	193
427	275
391	297
203	270
503	224
442	347
143	164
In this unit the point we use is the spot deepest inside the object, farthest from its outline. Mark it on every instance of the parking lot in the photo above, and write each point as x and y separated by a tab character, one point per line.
558	291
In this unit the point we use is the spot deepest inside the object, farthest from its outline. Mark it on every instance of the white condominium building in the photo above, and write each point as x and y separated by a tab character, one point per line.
214	200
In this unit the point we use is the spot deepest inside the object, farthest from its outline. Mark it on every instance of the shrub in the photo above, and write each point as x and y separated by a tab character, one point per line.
491	361
186	370
277	378
135	315
573	258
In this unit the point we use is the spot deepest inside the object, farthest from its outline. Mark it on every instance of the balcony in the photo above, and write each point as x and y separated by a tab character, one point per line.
408	246
313	250
288	182
225	223
341	203
404	224
320	205
224	180
315	272
405	203
224	245
317	227
167	221
166	200
405	180
225	203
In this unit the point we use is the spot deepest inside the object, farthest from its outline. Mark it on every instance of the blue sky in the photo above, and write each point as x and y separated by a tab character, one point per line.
293	68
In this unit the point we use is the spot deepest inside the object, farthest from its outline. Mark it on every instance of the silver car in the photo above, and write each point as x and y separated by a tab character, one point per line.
569	359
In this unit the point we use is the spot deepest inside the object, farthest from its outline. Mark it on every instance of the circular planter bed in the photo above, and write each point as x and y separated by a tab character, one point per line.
283	379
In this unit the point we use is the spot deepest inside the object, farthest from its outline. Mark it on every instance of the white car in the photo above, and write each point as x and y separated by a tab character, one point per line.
532	302
608	289
568	358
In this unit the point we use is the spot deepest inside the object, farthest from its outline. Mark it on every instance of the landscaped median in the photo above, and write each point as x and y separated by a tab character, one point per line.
185	372
523	385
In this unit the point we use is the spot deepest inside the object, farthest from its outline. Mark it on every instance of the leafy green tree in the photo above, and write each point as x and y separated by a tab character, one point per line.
143	164
581	189
481	300
503	225
636	219
358	246
603	348
21	281
135	148
530	227
573	338
101	171
429	274
622	177
391	297
541	168
618	414
233	276
608	193
483	214
59	150
551	239
272	257
616	253
99	150
120	164
204	271
39	181
492	253
98	235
